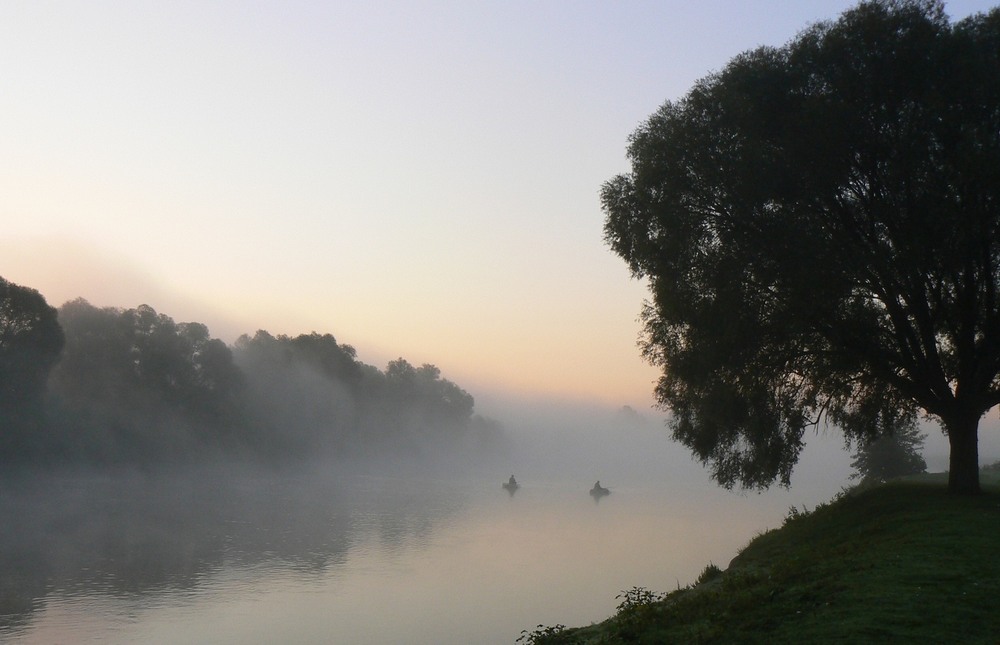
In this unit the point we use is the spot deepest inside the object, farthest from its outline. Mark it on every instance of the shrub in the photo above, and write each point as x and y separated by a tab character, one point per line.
711	572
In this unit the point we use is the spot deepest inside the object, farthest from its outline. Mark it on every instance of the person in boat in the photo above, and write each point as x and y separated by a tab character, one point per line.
597	485
512	482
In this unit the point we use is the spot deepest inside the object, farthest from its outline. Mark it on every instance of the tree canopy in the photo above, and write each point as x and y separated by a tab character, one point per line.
113	387
135	386
818	223
132	387
30	344
891	455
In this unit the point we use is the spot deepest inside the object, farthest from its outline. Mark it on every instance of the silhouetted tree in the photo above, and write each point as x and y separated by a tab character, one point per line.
819	226
136	386
213	381
429	400
331	358
303	392
133	386
30	343
890	455
309	394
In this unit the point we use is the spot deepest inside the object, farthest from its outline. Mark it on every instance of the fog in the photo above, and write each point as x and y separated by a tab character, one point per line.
187	539
161	473
576	442
137	533
407	536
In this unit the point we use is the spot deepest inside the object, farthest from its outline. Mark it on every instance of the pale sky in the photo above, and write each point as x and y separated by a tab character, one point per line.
419	179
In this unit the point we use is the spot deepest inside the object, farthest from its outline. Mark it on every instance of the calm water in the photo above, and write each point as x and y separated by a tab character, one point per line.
379	560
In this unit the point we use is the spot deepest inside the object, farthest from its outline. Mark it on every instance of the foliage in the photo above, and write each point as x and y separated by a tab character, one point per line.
991	468
890	456
300	392
638	607
820	227
434	401
709	573
795	514
134	387
898	563
300	384
30	344
542	633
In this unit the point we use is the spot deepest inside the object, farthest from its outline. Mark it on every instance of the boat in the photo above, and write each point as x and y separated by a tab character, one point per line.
598	491
511	485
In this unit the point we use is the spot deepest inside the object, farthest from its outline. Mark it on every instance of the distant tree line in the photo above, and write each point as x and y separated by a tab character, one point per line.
132	387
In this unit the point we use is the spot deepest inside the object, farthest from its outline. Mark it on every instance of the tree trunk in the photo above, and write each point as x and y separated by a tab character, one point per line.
963	470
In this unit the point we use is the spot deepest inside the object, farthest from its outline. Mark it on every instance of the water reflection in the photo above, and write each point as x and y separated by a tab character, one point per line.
141	536
362	559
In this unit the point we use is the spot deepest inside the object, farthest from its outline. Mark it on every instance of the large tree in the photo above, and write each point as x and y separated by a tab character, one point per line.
135	386
30	343
818	223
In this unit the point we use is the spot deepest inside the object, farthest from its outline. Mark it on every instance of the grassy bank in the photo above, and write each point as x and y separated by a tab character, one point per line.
903	562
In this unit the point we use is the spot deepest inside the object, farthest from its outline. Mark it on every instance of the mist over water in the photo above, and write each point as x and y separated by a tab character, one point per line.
381	551
281	490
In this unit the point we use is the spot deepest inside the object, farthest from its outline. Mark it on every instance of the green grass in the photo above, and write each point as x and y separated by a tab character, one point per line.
899	563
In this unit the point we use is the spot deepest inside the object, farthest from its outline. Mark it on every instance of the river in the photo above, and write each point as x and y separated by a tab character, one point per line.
366	558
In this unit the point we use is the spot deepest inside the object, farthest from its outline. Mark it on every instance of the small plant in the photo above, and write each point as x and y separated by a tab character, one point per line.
711	572
847	491
636	611
794	514
741	580
539	633
637	597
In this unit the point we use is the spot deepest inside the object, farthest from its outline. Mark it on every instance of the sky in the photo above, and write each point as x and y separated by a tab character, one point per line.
420	179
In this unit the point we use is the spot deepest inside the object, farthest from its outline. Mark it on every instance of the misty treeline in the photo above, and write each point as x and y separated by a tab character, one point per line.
107	386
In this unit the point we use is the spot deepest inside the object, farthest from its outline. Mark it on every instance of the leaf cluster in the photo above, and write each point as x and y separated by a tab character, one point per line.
30	343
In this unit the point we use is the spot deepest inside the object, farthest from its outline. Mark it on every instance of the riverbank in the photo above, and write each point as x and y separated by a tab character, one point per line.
901	562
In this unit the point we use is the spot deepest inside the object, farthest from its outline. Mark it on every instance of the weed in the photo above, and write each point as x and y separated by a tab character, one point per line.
711	572
795	514
637	597
543	633
637	612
